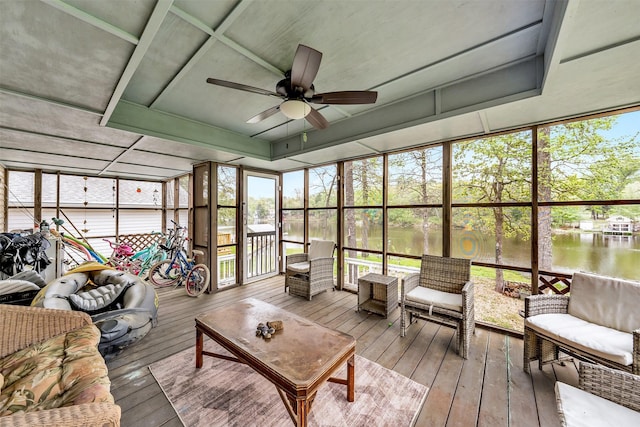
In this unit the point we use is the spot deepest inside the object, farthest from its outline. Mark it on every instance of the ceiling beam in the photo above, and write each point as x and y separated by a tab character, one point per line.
92	20
564	12
215	35
150	31
634	40
218	33
119	156
531	27
184	70
503	85
142	120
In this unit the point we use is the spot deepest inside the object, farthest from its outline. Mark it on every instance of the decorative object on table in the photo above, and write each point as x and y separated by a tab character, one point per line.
278	325
264	331
267	331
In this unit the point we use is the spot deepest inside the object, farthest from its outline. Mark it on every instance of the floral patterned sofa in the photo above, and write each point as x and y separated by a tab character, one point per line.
51	373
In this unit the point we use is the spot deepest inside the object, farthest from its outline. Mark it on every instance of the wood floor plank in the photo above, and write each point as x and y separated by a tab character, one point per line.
466	403
416	348
543	389
522	403
461	391
494	402
436	409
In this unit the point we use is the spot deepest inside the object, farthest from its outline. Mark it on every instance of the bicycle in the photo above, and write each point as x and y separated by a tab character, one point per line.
121	258
150	255
180	269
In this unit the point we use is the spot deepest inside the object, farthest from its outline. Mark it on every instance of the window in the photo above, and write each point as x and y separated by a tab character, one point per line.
589	196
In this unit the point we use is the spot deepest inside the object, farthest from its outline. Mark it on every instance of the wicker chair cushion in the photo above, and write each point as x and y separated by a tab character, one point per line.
299	267
427	296
606	301
581	409
62	371
601	341
321	249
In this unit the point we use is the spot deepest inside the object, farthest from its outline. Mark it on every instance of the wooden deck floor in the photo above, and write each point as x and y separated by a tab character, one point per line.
489	389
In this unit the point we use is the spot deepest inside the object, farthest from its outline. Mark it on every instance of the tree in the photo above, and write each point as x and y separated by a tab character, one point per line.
576	161
496	170
322	185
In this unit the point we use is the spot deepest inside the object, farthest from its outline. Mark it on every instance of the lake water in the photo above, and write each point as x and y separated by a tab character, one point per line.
609	255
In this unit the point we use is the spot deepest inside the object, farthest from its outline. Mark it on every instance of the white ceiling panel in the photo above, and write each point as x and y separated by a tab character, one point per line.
49	53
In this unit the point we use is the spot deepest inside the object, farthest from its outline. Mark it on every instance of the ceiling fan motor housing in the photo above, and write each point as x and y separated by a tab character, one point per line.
284	88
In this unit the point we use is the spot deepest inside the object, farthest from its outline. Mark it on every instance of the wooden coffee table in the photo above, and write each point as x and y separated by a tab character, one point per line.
297	359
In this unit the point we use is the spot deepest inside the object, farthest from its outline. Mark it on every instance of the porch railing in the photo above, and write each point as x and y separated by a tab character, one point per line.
356	268
261	253
226	269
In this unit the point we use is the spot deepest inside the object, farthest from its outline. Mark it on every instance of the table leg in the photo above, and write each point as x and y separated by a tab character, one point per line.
199	346
301	411
351	369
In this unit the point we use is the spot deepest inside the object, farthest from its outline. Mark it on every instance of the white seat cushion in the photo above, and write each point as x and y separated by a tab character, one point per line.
601	341
429	296
582	409
299	267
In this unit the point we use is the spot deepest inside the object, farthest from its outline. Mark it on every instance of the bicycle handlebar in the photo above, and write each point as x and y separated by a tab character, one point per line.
178	226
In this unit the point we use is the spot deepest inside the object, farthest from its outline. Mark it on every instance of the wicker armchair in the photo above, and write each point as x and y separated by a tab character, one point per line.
310	273
596	382
23	326
443	292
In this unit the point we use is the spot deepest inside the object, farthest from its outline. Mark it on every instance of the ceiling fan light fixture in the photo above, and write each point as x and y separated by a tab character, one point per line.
295	109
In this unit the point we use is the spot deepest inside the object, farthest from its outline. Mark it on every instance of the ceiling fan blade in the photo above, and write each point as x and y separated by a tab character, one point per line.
239	86
316	119
306	63
265	114
345	97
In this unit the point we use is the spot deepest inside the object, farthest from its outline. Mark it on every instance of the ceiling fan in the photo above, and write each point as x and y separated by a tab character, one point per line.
297	91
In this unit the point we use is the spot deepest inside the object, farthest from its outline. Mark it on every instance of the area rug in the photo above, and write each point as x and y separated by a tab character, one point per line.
225	393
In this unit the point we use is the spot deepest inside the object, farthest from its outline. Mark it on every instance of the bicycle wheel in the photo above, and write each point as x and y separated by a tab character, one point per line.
164	273
197	280
150	262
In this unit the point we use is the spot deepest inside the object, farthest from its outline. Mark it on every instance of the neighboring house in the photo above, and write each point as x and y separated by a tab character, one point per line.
619	225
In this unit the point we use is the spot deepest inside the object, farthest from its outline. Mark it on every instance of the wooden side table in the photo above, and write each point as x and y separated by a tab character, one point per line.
378	293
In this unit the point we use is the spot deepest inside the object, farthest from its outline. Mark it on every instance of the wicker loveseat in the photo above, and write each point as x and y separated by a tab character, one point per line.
604	397
51	373
599	321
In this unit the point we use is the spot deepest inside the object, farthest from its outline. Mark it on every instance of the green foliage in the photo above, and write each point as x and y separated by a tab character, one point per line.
226	186
564	216
585	164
